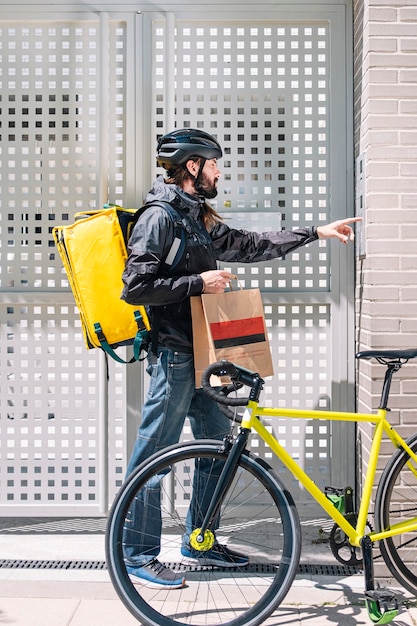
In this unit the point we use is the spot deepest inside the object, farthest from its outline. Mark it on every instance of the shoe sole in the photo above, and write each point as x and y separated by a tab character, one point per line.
188	560
153	585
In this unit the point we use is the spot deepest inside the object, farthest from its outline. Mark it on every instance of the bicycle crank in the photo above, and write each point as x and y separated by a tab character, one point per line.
202	542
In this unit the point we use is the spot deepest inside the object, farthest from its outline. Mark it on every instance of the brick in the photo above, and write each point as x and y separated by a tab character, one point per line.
409	263
389	309
387	278
392	3
409	202
396	153
382	14
408	231
409	387
398	91
387	29
383	263
408	138
391	185
380	44
408	106
408	169
391	60
405	376
379	230
390	215
393	121
392	247
385	325
378	106
394	341
407	76
378	293
401	310
376	138
407	14
408	417
408	45
381	76
409	294
380	201
375	169
409	326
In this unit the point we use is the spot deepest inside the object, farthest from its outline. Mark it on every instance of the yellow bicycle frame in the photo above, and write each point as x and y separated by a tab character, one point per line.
252	420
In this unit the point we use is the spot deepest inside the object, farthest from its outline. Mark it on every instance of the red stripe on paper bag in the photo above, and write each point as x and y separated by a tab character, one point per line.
237	332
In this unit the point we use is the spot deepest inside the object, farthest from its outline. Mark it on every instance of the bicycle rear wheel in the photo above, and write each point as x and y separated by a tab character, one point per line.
396	501
258	519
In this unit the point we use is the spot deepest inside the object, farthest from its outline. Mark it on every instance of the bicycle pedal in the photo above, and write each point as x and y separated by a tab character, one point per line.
382	595
382	605
341	498
336	491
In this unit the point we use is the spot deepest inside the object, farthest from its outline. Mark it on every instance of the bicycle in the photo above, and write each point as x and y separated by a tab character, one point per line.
254	513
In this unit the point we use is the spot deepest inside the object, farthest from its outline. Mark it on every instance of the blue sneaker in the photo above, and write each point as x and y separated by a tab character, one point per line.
219	555
155	575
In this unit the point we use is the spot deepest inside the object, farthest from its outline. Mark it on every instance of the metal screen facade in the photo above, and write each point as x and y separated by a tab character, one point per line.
74	100
51	397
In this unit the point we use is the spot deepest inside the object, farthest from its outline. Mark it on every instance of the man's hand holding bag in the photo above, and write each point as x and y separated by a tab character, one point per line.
230	326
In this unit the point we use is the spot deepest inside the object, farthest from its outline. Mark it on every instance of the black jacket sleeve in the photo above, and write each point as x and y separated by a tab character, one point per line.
249	247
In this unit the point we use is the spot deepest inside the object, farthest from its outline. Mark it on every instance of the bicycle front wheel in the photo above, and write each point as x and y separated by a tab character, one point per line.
396	502
257	519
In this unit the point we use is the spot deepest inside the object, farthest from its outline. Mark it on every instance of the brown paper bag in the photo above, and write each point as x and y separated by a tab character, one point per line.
230	326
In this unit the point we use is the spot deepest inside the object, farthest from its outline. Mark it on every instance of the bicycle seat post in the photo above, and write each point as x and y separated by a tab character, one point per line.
392	367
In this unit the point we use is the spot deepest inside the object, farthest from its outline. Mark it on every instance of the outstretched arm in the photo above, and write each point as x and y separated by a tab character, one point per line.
338	230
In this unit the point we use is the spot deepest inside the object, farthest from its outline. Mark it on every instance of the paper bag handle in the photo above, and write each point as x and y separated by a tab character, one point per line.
239	284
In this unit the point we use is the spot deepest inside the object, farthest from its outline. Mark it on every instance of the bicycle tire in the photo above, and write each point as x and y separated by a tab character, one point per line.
396	501
258	518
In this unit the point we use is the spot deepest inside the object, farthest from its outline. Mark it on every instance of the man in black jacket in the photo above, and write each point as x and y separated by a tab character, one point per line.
190	159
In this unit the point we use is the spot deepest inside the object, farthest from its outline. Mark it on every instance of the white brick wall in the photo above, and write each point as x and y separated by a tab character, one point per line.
388	139
386	134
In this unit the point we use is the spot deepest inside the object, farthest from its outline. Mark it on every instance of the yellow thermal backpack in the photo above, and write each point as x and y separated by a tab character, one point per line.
93	251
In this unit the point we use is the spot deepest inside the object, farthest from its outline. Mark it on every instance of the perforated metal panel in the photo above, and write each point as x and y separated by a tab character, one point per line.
50	410
51	399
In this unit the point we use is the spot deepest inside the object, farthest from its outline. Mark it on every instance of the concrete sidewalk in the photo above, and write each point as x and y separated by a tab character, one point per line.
85	597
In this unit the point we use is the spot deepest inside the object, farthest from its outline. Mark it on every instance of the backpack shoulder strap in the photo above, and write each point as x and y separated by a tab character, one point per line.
173	257
177	249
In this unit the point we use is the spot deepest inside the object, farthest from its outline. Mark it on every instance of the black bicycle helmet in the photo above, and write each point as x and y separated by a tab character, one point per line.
177	147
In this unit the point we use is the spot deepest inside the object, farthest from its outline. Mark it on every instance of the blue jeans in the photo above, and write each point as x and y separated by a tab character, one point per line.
171	398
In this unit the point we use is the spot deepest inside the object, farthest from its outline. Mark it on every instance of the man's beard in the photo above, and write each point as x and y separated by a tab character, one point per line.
207	189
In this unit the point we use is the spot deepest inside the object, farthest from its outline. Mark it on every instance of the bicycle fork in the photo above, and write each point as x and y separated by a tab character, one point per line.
203	538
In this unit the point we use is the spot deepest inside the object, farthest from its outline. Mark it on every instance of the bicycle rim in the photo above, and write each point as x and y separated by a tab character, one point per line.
396	501
258	519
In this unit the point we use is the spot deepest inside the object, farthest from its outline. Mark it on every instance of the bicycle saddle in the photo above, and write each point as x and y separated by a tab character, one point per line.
410	353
